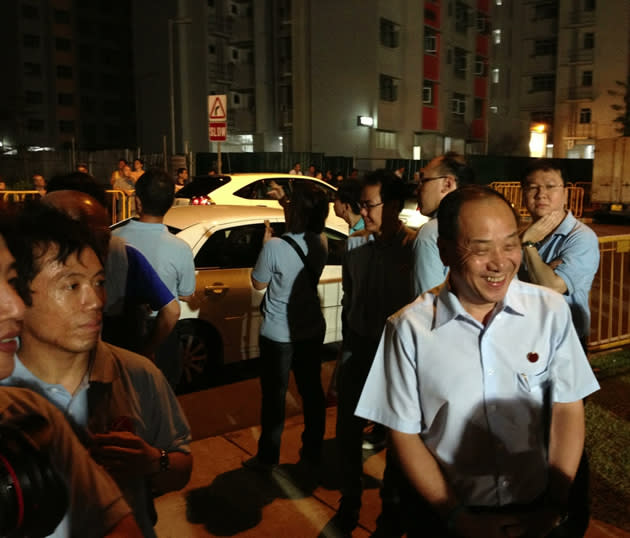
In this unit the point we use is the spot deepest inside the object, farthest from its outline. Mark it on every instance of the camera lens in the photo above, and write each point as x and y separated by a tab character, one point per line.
33	498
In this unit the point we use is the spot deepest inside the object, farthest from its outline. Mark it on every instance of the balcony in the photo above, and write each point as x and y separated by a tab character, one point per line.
220	73
579	18
581	56
575	93
220	26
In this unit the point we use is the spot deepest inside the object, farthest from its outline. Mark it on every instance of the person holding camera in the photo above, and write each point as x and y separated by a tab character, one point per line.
35	436
119	401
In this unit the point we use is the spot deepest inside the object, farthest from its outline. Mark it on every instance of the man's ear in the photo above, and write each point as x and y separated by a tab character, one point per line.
449	184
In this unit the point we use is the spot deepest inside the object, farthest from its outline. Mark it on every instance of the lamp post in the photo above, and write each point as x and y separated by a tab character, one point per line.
171	23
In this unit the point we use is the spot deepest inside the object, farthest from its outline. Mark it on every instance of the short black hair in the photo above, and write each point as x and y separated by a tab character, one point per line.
180	170
541	165
79	181
392	187
349	192
451	204
308	209
38	228
155	190
454	164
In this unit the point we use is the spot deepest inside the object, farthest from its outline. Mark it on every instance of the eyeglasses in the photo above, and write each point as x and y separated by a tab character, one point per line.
366	204
424	179
535	189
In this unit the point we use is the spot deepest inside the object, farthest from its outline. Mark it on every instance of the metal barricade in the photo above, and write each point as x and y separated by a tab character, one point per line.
610	295
17	197
512	191
122	205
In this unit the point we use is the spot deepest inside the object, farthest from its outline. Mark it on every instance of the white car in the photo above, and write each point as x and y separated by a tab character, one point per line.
221	325
252	190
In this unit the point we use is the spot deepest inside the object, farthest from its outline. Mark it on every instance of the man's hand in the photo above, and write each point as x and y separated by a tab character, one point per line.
275	192
268	232
543	226
124	454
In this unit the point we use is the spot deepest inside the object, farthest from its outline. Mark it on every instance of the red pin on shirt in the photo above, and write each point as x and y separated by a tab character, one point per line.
532	356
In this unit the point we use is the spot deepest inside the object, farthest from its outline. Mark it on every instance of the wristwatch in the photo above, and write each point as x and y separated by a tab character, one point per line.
527	244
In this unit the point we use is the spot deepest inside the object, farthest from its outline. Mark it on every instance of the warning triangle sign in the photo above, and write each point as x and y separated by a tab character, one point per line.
217	110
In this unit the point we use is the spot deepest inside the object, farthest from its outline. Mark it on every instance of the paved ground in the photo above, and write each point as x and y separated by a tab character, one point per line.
225	499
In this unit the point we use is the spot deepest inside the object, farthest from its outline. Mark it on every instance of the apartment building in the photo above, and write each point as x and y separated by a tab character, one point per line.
67	74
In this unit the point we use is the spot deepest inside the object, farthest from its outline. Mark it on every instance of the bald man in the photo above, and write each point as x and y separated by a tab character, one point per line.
130	281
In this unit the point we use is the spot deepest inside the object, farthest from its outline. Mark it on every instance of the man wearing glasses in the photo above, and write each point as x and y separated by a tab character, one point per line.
442	175
377	281
559	251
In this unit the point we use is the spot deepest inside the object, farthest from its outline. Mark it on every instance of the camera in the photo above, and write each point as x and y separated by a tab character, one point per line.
33	497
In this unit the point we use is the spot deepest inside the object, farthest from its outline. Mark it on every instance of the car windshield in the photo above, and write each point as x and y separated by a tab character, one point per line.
202	186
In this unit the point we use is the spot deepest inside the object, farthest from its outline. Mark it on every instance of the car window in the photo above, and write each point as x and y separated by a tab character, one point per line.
258	190
234	248
202	186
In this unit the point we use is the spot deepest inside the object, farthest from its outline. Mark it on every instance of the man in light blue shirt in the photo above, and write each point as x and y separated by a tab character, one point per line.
559	251
172	261
442	175
481	382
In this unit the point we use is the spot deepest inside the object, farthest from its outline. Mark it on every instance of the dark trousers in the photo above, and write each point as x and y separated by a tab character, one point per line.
277	360
351	378
421	521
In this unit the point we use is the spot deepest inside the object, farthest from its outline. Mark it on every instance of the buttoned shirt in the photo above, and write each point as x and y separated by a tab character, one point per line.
477	394
578	247
429	271
122	392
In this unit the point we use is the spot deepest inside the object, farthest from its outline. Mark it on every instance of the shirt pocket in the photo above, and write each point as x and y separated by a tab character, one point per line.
533	381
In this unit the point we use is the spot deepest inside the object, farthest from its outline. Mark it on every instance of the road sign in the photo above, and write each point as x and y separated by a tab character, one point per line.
217	131
217	109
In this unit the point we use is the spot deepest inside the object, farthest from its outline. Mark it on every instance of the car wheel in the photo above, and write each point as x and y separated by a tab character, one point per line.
200	355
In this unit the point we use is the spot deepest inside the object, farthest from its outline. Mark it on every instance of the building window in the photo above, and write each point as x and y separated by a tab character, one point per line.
587	78
589	40
65	99
427	92
33	97
31	41
461	17
32	70
384	139
545	10
63	44
458	104
210	3
388	88
542	116
544	47
543	83
496	36
234	9
390	32
35	125
460	64
480	66
483	24
495	75
235	54
64	71
479	108
429	15
66	126
585	115
212	49
430	41
62	16
30	12
589	5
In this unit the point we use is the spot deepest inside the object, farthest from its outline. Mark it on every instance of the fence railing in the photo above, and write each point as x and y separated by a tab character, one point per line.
512	191
610	295
121	204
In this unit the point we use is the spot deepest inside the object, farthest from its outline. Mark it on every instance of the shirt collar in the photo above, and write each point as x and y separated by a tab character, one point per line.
565	227
448	307
103	365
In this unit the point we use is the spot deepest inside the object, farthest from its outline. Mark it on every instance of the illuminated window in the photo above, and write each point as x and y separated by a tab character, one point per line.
496	36
585	115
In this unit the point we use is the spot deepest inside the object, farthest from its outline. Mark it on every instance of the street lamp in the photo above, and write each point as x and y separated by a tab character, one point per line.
171	23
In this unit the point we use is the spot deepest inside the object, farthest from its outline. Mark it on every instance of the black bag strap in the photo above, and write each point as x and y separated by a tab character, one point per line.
302	256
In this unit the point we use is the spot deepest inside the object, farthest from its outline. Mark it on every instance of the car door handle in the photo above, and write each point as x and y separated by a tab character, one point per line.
216	289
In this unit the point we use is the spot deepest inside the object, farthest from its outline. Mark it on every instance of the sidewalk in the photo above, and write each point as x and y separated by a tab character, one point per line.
225	499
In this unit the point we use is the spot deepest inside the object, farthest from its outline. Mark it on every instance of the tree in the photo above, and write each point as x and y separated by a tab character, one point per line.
622	119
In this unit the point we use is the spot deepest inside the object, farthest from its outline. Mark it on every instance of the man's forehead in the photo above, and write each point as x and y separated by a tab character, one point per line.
544	175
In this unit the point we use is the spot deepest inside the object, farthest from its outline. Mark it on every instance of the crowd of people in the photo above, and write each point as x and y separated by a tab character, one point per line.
464	342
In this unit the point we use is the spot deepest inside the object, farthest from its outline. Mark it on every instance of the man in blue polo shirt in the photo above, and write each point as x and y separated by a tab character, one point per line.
559	251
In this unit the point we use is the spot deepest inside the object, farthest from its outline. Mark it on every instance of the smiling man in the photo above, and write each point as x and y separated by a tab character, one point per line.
119	400
481	381
559	251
